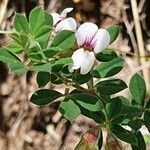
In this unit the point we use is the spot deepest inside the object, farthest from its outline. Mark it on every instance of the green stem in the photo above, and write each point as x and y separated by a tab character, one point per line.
90	84
30	63
65	80
80	88
66	90
94	92
69	82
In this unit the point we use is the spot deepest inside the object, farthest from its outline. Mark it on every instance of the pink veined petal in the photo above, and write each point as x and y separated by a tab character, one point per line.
56	18
85	33
77	58
88	63
65	12
66	24
101	40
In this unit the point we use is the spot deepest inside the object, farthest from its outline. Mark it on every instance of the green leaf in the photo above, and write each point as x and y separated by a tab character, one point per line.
14	48
106	98
69	109
36	57
41	67
34	46
20	43
109	87
43	78
44	96
135	124
36	19
21	24
107	69
50	52
125	101
48	19
88	105
113	108
88	102
42	32
64	40
147	119
65	53
64	61
65	71
24	40
148	103
118	119
81	79
97	116
14	63
43	35
131	112
106	55
16	38
138	89
134	103
123	134
61	63
141	142
35	52
113	32
75	91
55	80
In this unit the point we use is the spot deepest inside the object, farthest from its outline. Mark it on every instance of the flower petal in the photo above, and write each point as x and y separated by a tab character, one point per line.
83	60
56	18
66	24
66	11
101	40
85	33
77	59
88	63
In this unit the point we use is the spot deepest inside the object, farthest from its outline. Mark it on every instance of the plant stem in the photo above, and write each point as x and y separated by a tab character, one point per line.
140	43
90	84
80	88
65	80
90	91
66	90
69	82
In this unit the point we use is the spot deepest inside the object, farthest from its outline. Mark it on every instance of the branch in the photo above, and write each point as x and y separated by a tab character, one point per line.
140	43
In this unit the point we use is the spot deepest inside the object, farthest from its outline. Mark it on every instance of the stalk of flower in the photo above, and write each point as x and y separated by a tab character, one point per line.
91	41
60	22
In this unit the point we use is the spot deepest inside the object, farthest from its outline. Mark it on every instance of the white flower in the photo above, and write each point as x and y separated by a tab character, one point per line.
92	40
82	60
62	23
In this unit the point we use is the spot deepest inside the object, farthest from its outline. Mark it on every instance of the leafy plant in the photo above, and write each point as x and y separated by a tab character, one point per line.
53	56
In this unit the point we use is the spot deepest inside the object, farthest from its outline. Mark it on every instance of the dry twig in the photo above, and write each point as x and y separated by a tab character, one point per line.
140	43
129	30
3	5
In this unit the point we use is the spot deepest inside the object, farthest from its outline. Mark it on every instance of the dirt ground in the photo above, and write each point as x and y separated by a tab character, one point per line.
24	126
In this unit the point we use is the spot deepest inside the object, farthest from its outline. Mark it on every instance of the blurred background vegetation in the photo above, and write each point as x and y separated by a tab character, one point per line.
27	127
